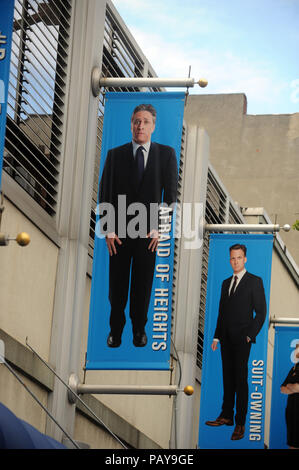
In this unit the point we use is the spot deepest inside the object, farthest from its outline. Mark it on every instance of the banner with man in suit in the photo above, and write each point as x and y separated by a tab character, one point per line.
284	422
130	307
235	342
6	26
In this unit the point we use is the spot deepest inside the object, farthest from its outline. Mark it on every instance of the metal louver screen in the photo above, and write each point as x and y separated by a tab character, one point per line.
36	97
215	213
219	210
120	58
176	259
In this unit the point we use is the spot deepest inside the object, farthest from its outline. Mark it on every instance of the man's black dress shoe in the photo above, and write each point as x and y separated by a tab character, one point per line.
140	339
238	433
113	341
220	422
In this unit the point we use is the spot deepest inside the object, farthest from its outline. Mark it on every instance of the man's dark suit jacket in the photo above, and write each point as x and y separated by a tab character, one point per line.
236	319
120	178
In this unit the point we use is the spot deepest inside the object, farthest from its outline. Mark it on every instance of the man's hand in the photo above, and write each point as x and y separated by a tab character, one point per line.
111	238
154	235
214	345
289	389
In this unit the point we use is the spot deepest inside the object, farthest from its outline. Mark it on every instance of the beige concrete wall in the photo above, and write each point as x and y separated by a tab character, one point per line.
14	396
284	296
96	437
256	156
27	282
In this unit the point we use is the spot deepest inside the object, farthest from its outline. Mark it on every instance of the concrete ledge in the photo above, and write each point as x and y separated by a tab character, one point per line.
127	433
24	360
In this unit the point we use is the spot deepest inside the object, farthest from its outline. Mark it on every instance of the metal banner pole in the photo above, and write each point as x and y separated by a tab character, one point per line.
246	227
284	321
97	81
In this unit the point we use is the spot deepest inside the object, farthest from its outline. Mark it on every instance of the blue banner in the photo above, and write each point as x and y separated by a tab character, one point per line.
235	342
130	306
286	339
6	27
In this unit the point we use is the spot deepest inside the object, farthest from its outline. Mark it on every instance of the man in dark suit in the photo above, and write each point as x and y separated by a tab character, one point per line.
237	327
136	177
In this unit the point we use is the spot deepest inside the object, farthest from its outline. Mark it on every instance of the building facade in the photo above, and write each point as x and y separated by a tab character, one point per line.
256	156
49	185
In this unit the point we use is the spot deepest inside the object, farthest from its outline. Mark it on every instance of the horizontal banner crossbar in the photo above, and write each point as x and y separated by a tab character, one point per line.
75	389
285	321
245	227
146	82
127	389
97	81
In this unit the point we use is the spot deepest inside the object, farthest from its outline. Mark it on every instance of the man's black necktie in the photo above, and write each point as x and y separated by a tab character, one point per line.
233	286
140	163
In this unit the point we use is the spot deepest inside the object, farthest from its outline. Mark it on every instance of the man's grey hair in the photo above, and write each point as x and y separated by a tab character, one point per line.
146	107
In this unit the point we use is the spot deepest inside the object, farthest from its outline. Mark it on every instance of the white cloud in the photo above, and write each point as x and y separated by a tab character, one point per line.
226	72
176	35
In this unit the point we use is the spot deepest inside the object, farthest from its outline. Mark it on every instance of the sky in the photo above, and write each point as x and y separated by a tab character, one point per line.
239	46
